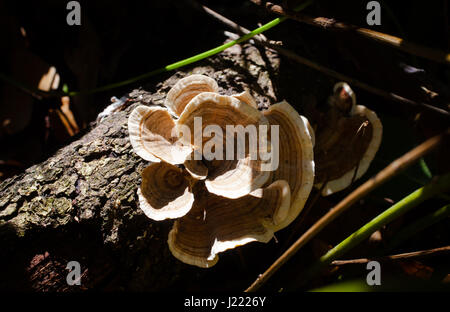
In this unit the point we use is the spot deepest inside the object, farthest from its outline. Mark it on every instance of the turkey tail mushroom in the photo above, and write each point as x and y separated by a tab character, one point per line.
296	159
165	193
187	88
229	174
241	182
347	141
152	135
216	223
195	166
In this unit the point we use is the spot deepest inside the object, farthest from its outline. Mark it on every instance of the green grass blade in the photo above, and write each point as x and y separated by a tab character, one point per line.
441	184
418	226
425	169
347	286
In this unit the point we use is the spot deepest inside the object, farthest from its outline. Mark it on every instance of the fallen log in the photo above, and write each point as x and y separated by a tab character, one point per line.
81	204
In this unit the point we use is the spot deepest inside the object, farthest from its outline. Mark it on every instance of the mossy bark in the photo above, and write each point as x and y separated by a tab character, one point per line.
81	204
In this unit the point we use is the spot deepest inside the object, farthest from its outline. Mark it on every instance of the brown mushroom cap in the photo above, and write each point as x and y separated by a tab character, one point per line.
340	164
185	89
215	223
347	142
296	159
153	137
230	178
164	192
196	167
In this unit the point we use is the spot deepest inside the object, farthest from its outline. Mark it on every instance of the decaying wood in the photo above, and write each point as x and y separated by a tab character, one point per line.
81	204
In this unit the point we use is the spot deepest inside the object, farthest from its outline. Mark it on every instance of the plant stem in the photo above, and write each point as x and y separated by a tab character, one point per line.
167	68
418	226
384	175
407	255
323	69
441	184
425	169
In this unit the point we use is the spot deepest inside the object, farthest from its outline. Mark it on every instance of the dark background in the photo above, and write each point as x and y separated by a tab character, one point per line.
122	39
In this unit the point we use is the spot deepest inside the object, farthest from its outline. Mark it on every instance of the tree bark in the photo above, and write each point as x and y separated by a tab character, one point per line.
81	204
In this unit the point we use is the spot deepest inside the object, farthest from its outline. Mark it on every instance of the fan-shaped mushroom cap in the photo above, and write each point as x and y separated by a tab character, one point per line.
215	223
185	89
296	160
165	192
235	177
151	134
345	147
341	164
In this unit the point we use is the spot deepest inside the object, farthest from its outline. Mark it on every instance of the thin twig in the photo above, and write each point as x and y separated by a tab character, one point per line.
323	69
352	81
331	24
390	171
384	175
407	255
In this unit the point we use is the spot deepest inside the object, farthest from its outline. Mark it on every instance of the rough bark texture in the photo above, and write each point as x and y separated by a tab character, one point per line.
81	204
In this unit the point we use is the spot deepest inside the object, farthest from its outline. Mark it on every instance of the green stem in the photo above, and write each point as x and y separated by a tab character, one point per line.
418	226
441	184
425	169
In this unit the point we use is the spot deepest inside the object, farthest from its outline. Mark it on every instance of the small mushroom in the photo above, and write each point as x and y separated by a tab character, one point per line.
185	89
236	176
296	159
165	192
216	223
151	132
347	139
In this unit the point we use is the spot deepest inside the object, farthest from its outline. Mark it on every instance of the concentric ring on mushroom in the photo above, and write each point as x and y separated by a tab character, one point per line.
219	168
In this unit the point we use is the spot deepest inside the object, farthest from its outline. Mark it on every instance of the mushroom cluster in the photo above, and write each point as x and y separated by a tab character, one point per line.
220	202
222	199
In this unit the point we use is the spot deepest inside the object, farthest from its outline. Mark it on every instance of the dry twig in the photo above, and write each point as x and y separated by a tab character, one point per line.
323	69
408	255
384	175
331	24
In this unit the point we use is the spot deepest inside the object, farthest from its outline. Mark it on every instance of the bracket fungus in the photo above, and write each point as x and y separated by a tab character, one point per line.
165	193
151	134
338	164
219	168
187	88
296	159
228	174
